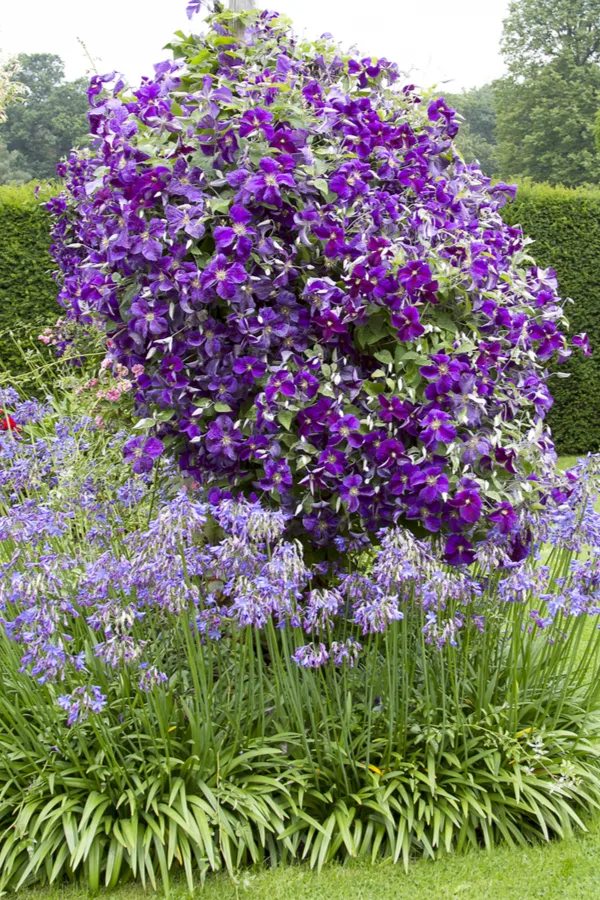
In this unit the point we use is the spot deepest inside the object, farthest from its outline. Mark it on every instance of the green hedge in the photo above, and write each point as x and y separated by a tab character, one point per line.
565	225
27	291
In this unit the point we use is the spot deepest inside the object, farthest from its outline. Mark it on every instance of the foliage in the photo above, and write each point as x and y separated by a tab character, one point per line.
552	52
52	119
181	693
476	139
535	138
565	226
11	170
11	167
27	291
10	88
536	32
327	305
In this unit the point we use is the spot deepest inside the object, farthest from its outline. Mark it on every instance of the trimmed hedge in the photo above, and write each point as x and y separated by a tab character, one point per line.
27	291
565	225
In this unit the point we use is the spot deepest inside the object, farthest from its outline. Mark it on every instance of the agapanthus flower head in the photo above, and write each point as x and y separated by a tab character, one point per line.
151	677
311	656
8	398
251	521
81	702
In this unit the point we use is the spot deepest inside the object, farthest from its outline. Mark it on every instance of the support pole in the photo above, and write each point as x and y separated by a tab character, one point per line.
240	6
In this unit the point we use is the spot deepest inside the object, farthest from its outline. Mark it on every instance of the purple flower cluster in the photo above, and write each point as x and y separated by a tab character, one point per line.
81	578
325	301
81	702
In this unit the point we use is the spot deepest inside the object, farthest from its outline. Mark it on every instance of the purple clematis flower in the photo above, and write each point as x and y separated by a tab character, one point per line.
256	447
444	372
347	428
352	491
350	180
322	525
468	506
437	428
223	277
143	451
193	8
332	461
389	453
148	239
267	184
306	384
280	382
185	218
427	513
267	328
331	324
432	481
257	119
583	342
223	438
416	278
476	446
504	517
459	551
223	388
277	476
408	323
393	408
250	368
148	318
438	110
187	182
238	236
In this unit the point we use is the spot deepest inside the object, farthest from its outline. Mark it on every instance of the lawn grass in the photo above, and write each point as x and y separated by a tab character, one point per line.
560	870
567	462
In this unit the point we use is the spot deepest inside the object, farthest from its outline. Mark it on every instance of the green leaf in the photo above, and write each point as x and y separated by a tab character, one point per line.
384	356
286	417
220	204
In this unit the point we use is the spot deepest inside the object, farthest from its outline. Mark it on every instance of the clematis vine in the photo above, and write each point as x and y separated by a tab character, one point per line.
327	305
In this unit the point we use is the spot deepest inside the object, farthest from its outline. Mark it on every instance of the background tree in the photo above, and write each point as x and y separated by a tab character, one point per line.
477	136
51	120
546	106
11	90
12	168
545	124
536	32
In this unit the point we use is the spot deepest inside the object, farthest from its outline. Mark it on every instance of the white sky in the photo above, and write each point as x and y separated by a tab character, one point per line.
435	40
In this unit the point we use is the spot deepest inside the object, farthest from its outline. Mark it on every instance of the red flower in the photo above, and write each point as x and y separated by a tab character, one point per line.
8	424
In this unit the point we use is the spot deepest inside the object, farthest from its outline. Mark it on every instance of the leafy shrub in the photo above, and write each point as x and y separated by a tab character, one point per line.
182	691
27	290
326	302
566	227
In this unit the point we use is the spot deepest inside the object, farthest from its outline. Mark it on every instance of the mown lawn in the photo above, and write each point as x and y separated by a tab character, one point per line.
565	870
